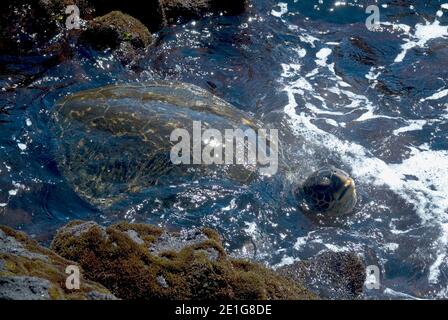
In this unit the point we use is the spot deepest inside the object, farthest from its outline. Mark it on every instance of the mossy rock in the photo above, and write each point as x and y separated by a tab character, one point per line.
114	28
138	261
148	12
29	271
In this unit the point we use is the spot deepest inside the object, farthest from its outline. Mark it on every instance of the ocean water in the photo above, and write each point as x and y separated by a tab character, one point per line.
374	103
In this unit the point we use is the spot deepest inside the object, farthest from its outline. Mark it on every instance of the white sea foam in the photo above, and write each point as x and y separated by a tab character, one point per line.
283	9
286	260
422	35
322	56
412	126
391	246
251	228
397	294
434	270
428	194
301	242
22	146
436	96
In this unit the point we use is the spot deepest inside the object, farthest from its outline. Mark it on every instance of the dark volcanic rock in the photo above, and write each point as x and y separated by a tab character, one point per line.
31	272
115	28
138	261
118	31
24	288
39	26
34	26
332	275
149	12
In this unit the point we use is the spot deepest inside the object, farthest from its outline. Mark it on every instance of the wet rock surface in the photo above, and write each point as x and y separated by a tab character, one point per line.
138	261
118	31
31	272
28	25
40	26
331	275
148	12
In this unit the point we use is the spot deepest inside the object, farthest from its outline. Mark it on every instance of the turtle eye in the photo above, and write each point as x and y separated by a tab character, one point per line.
324	182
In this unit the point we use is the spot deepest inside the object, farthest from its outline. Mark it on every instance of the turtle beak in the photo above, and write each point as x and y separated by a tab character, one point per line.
348	183
348	186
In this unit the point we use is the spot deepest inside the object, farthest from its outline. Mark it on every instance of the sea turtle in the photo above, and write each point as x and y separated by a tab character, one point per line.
114	141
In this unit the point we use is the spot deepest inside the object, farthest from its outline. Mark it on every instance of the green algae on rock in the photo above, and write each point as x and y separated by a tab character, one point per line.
31	272
138	261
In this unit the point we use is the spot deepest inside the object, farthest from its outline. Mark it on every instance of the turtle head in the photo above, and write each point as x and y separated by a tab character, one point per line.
328	191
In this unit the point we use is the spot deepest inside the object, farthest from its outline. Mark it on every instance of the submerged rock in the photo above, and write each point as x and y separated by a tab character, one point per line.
31	272
331	275
168	265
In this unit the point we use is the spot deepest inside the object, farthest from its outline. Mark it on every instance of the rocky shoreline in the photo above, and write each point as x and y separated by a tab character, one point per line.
50	27
144	262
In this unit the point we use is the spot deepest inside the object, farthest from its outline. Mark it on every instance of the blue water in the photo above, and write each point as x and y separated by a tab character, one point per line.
372	103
